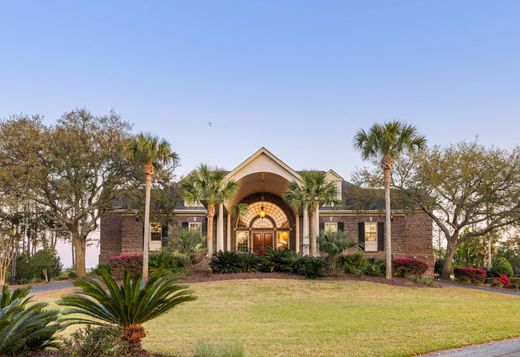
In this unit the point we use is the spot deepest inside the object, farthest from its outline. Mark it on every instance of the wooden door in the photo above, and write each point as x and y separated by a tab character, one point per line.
261	241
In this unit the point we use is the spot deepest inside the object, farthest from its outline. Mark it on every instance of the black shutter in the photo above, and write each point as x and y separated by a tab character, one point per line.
341	227
205	226
185	225
381	236
322	227
361	235
164	235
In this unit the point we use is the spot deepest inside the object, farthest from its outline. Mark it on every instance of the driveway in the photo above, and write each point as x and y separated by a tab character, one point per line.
482	288
508	348
54	285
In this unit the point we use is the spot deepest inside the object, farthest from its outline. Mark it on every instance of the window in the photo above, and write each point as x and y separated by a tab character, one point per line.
156	231
331	227
195	226
282	239
243	241
371	236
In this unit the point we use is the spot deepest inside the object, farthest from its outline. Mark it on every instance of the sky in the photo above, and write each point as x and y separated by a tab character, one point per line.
298	77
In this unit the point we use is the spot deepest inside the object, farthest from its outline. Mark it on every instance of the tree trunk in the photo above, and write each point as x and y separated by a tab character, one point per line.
388	224
313	232
80	248
451	249
146	238
211	214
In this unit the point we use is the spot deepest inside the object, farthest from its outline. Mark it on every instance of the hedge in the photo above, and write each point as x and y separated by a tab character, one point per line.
470	275
408	267
131	262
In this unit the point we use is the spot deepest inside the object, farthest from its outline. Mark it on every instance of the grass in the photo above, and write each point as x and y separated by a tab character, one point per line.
330	318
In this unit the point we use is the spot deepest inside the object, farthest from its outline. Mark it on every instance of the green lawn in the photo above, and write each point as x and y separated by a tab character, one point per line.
331	318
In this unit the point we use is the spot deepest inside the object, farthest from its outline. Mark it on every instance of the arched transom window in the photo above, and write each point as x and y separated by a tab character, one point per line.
271	210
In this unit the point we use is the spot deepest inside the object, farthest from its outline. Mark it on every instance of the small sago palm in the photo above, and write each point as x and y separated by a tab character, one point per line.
208	186
26	326
334	245
150	153
103	301
386	142
312	194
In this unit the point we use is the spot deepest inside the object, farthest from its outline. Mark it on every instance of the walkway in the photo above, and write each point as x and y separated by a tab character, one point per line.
508	348
53	285
482	288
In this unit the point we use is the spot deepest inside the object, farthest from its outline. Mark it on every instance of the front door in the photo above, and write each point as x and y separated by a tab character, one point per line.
261	241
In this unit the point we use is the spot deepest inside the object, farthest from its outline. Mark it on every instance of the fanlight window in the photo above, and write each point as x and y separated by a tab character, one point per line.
271	210
263	223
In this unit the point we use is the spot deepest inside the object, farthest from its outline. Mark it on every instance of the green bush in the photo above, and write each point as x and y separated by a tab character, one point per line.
514	286
226	262
104	341
44	265
25	326
290	262
425	280
355	264
376	267
500	265
250	262
275	259
205	349
310	267
438	266
164	260
190	246
334	244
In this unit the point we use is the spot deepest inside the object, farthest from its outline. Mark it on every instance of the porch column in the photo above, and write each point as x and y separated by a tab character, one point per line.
305	231
297	241
220	227
228	243
315	247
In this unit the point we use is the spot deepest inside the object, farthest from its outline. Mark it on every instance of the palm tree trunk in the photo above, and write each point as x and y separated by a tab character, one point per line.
211	214
146	238
388	224
313	232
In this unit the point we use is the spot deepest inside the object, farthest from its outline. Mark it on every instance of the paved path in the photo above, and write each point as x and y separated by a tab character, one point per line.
482	288
54	285
508	348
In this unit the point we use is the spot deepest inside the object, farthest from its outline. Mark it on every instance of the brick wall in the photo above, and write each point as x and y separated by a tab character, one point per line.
110	236
131	234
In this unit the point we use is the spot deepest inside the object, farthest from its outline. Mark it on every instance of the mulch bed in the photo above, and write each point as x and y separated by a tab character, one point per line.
200	273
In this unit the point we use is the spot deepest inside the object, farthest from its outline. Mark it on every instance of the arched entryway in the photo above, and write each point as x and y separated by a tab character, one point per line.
268	222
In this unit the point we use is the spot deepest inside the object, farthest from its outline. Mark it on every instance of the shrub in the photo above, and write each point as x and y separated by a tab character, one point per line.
470	275
133	263
250	262
438	266
514	286
46	264
495	283
128	304
290	262
408	267
104	341
25	326
355	264
275	259
503	280
375	267
500	265
205	349
165	260
310	267
425	280
334	244
189	245
97	270
226	262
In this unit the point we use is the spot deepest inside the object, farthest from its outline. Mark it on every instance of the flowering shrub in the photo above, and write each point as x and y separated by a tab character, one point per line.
503	279
470	275
131	262
408	267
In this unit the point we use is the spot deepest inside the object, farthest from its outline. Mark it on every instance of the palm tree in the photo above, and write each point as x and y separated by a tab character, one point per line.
150	153
386	142
239	210
312	194
129	304
208	185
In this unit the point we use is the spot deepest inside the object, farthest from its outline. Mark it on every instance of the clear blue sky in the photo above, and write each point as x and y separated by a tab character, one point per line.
299	77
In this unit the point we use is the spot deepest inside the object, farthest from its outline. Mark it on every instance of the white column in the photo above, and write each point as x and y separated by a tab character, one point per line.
297	240
228	245
305	231
316	232
220	227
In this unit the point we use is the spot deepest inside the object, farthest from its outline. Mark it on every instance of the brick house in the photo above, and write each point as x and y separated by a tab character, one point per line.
270	222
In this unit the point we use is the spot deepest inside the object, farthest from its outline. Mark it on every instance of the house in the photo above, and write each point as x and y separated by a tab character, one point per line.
270	222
